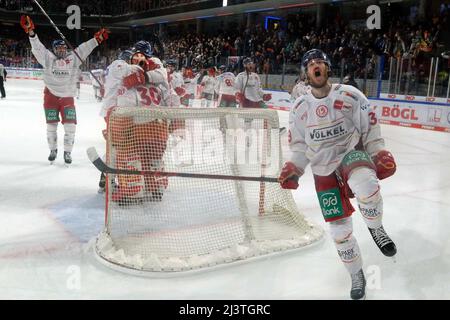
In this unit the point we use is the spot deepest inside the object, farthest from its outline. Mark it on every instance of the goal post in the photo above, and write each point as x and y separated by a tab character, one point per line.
157	223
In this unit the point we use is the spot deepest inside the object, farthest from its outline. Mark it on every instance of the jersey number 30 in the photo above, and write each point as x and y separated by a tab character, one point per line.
150	96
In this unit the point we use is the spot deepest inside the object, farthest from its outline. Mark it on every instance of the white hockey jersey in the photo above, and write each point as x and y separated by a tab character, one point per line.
225	84
100	75
148	95
176	80
323	131
208	83
299	89
249	85
61	75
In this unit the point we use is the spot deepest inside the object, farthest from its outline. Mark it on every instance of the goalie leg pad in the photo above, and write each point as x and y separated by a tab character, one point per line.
69	136
364	184
347	247
150	147
130	186
52	135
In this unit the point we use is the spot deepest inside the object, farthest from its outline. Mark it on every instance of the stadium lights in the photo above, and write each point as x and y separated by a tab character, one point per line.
225	3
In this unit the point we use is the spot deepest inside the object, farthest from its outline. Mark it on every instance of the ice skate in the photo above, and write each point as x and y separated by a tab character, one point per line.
384	243
358	290
67	158
52	156
154	196
122	197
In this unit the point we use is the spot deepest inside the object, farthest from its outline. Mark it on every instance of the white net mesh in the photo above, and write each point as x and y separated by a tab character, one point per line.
157	223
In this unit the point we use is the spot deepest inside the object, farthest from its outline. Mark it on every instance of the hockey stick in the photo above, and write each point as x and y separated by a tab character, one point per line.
103	167
64	39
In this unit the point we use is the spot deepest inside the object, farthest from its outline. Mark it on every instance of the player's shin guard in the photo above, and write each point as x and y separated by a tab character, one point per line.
52	136
69	136
347	247
364	184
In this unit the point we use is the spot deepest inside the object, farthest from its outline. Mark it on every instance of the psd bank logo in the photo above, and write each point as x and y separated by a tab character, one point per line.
330	203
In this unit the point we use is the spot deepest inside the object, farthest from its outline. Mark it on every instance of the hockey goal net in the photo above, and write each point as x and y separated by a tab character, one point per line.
163	224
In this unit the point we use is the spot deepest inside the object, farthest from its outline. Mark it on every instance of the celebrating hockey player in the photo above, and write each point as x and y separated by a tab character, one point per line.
144	83
176	82
225	89
190	85
334	129
249	92
208	84
61	72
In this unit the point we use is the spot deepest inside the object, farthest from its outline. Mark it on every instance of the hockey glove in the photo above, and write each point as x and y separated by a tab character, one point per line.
267	97
289	176
385	164
134	79
239	97
180	91
26	23
101	35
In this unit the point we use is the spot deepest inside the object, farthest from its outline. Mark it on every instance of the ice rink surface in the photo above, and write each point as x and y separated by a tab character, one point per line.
50	215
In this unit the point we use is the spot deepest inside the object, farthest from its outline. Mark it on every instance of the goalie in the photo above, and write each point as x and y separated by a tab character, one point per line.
139	144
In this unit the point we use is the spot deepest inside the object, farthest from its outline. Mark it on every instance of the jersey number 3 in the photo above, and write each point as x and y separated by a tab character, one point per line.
373	118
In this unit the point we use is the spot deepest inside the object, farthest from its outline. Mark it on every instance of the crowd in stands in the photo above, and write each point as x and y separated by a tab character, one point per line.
355	49
89	7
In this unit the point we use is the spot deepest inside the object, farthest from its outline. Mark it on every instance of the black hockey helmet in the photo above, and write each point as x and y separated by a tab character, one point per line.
171	62
314	54
223	68
247	61
59	48
143	47
125	55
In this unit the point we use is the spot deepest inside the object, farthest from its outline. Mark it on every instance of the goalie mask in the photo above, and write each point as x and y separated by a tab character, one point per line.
59	49
142	50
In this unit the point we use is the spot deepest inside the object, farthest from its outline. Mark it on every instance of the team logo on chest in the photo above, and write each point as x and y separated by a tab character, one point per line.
322	111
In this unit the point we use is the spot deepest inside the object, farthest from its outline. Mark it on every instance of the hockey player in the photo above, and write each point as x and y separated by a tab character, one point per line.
141	145
98	87
334	129
301	87
248	86
115	92
208	84
190	85
225	89
61	71
176	82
